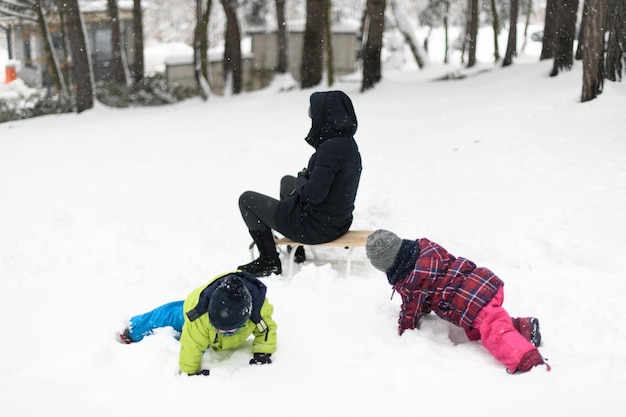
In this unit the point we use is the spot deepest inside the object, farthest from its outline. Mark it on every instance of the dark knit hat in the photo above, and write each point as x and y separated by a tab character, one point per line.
230	304
382	248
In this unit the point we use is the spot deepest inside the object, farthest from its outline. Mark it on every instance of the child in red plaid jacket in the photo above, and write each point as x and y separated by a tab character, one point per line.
430	279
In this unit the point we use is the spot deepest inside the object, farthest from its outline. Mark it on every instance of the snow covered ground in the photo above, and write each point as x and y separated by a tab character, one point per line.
112	212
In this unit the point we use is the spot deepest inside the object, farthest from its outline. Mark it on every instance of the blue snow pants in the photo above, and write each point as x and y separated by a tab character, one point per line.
170	314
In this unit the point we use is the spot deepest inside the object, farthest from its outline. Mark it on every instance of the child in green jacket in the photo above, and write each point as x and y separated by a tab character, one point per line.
221	315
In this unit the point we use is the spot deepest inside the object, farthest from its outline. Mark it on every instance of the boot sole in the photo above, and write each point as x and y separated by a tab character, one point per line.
266	273
535	333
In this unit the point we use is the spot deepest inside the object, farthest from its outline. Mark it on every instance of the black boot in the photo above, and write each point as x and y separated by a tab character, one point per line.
268	261
299	256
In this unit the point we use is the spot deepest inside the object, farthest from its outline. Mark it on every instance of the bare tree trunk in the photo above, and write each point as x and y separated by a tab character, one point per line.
446	15
120	67
581	35
511	47
373	34
199	71
312	51
328	41
9	34
472	33
138	62
83	74
616	45
232	47
66	65
548	46
53	61
566	32
466	35
407	31
496	29
593	50
529	11
283	63
204	42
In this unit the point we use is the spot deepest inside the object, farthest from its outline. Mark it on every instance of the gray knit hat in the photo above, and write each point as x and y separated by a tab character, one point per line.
382	248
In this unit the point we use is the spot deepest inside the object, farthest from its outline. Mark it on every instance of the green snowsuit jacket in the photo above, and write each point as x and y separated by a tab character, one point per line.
199	335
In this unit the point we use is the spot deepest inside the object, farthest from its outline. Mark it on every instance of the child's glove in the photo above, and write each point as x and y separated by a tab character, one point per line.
203	372
261	359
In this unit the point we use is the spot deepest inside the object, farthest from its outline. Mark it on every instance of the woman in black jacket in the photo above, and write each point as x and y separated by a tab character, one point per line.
317	205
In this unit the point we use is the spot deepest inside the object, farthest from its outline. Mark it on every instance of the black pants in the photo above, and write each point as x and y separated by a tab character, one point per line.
259	210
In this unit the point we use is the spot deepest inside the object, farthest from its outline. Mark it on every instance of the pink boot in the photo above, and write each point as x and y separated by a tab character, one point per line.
531	359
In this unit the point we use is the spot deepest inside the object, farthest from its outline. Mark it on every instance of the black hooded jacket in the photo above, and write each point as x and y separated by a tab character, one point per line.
321	208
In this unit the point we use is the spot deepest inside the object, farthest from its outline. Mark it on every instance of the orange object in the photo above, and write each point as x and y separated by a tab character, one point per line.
10	74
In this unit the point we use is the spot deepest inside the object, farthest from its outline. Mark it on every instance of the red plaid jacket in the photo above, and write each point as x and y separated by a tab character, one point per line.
453	288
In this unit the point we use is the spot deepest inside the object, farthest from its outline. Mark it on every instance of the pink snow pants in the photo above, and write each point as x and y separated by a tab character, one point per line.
498	335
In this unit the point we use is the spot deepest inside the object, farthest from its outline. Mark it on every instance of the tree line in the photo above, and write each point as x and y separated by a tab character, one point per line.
601	34
77	79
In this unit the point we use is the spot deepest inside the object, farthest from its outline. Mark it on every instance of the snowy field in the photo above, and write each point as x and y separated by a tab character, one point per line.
110	213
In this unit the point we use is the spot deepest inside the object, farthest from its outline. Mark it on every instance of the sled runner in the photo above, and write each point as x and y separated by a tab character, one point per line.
352	239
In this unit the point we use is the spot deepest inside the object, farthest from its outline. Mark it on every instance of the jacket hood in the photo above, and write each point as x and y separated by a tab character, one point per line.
332	115
255	286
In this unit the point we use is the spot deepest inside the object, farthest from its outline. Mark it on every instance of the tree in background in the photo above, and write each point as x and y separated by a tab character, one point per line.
204	41
565	34
593	49
232	48
405	27
312	48
200	50
283	62
528	12
446	16
472	32
495	23
581	36
54	67
560	26
138	63
616	43
328	42
373	27
120	63
511	47
66	68
83	73
444	13
548	44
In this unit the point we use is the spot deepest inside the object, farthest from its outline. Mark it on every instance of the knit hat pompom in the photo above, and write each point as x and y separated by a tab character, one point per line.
230	304
382	248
